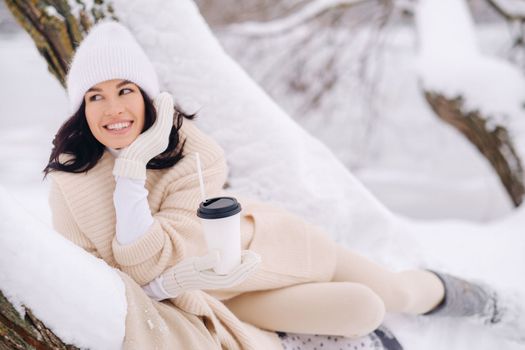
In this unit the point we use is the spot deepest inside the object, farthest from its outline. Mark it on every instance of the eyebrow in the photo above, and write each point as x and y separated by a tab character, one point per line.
122	83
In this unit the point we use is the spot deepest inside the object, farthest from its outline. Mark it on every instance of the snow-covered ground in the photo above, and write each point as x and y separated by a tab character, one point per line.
33	105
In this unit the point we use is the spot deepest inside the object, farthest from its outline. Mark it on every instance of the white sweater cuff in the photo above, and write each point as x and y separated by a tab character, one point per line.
132	210
155	290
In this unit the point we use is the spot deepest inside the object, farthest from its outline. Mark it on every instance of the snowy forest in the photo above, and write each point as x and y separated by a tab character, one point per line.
396	125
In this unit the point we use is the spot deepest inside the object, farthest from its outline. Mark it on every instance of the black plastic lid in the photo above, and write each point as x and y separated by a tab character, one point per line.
218	208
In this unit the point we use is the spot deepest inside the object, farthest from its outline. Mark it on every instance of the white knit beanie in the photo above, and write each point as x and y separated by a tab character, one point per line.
109	51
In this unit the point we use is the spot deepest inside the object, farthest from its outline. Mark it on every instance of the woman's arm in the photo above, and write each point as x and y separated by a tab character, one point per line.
175	228
132	211
134	219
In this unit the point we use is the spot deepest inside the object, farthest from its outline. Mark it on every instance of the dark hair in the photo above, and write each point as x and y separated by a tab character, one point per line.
75	138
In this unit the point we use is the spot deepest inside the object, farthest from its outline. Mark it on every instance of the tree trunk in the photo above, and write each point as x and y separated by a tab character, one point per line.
55	30
56	33
493	142
17	332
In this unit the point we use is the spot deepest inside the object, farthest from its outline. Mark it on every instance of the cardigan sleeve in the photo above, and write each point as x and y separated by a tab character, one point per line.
175	229
63	221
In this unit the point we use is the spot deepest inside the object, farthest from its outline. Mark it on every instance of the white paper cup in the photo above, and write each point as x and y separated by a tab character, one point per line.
221	223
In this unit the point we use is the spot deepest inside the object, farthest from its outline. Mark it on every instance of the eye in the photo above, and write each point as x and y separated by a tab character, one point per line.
94	97
126	91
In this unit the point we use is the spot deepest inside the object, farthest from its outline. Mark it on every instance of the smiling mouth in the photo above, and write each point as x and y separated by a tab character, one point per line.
118	127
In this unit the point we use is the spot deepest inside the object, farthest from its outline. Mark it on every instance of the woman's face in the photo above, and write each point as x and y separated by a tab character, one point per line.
115	112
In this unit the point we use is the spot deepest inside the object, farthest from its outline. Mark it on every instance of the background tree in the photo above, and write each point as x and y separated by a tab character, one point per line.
56	28
317	33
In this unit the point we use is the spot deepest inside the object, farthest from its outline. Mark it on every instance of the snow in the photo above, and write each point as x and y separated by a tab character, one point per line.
78	296
270	157
77	6
52	12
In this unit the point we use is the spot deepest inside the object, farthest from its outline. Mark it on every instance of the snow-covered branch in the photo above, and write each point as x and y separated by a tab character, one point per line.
79	297
513	11
312	10
449	63
510	9
408	6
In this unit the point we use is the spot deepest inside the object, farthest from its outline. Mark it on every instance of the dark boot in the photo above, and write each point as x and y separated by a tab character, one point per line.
479	302
463	298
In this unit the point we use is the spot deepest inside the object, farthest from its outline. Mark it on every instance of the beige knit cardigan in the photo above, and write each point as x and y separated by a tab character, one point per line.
292	251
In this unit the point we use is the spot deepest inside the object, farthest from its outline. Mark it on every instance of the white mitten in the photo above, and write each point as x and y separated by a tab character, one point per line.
132	160
195	273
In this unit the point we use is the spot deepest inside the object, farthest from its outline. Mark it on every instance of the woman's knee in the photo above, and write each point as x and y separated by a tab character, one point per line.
399	296
364	310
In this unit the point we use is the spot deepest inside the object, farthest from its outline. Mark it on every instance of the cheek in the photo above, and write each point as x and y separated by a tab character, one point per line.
140	113
92	119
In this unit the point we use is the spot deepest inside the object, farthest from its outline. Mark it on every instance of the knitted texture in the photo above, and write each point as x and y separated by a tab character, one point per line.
109	51
132	160
194	273
464	298
502	312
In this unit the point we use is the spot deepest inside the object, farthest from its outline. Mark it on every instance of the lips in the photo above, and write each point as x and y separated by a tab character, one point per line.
120	127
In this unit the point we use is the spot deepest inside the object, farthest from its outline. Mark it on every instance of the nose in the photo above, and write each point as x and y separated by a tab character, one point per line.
114	107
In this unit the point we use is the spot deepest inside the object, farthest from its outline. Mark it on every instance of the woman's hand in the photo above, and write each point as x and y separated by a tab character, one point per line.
195	273
132	160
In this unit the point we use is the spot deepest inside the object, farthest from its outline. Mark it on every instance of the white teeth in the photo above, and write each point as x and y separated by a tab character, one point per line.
118	126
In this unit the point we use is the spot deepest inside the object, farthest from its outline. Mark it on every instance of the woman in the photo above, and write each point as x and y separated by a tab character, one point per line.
125	189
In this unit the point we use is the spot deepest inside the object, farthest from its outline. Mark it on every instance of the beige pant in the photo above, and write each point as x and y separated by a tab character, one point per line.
352	304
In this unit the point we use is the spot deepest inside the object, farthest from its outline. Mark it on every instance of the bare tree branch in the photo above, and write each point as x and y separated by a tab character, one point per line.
493	142
510	9
310	11
513	11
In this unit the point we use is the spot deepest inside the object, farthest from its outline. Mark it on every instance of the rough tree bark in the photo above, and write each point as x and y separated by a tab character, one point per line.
56	31
17	332
493	142
54	28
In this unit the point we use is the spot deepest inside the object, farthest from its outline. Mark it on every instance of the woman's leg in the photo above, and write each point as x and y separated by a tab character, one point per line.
413	291
332	308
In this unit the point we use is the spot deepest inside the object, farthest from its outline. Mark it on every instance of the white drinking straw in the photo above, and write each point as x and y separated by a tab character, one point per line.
201	181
